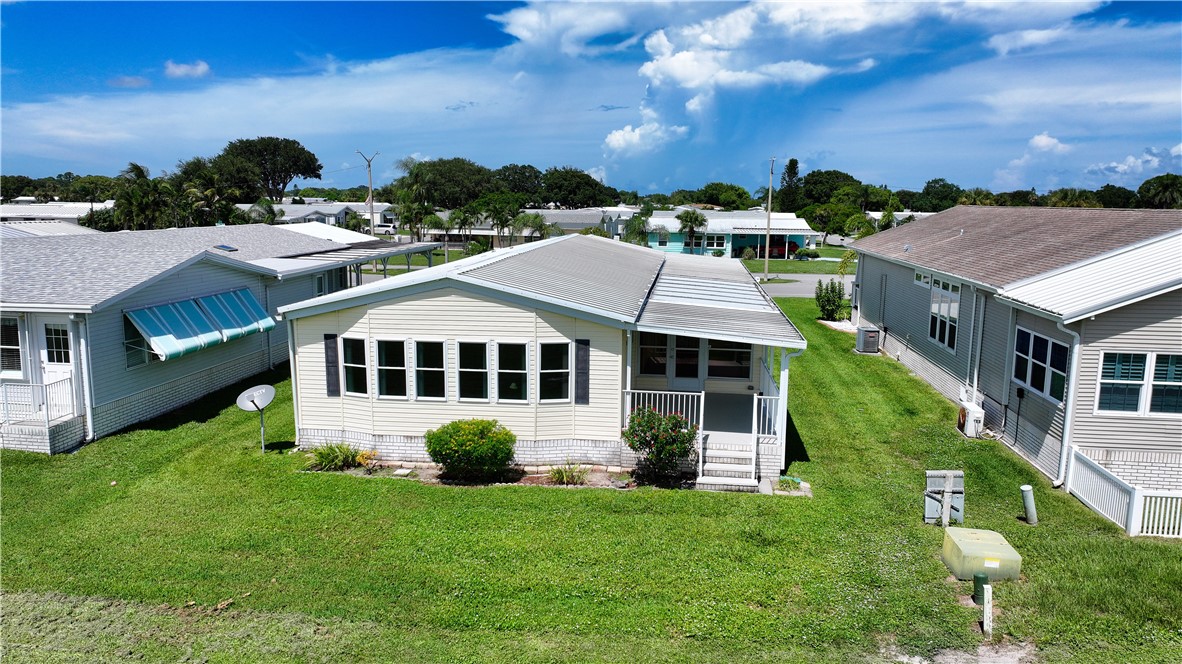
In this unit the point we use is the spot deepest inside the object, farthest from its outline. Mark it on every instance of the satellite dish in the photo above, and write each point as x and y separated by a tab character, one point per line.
256	398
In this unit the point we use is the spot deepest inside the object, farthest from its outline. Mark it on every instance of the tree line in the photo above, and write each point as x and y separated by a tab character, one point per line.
206	190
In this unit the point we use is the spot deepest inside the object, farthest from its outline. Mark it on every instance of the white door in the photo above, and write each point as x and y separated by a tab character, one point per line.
686	365
56	348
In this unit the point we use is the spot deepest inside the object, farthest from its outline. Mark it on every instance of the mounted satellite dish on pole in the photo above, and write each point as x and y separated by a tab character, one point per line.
258	398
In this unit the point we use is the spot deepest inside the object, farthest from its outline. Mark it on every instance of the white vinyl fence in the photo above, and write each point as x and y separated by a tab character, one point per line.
1139	511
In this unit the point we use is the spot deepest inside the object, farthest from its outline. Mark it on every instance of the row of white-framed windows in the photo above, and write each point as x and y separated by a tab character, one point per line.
945	313
695	241
923	280
10	345
715	241
473	373
1040	364
725	359
1142	383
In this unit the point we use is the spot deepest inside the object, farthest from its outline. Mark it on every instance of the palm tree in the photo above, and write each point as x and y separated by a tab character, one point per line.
437	223
464	220
265	212
536	225
691	222
209	194
1070	197
141	200
976	196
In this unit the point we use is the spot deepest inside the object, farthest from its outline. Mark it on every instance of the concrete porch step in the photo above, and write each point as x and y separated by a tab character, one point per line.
729	453
713	467
727	484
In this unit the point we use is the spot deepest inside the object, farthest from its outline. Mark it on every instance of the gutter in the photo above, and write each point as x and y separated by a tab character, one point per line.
1069	411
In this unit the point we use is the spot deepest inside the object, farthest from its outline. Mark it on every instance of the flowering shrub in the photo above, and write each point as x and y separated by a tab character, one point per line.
471	448
663	441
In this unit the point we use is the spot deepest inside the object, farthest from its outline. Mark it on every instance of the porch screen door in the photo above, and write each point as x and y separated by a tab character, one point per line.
56	351
686	367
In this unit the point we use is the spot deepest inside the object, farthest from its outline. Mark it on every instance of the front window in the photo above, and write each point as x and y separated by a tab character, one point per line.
662	240
354	366
1127	385
430	373
391	368
715	241
473	370
652	354
135	347
695	241
554	372
923	279
10	345
945	313
729	359
512	363
1040	363
320	285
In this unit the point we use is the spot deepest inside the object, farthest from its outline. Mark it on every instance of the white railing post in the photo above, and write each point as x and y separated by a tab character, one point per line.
4	402
755	427
45	400
1136	509
701	410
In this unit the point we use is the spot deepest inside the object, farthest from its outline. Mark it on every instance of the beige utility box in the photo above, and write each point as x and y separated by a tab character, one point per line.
968	551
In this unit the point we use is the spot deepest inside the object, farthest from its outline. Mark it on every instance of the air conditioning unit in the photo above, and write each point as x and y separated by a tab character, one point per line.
971	419
868	339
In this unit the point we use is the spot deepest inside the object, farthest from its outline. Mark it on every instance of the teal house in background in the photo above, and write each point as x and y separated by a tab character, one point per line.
732	233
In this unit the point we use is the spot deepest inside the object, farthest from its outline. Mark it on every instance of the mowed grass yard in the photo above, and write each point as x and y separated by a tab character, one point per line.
325	567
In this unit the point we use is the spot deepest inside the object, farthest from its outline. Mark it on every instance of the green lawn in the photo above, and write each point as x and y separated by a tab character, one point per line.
325	567
780	266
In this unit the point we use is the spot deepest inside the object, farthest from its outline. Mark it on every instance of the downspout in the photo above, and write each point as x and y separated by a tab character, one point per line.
968	363
782	406
977	342
627	382
295	377
1069	411
87	372
857	291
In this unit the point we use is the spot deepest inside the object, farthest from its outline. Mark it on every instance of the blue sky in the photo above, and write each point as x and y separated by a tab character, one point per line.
645	96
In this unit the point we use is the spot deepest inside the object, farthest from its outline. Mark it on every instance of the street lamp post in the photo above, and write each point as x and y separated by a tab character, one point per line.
767	238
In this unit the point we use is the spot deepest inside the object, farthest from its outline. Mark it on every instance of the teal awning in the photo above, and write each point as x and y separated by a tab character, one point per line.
180	328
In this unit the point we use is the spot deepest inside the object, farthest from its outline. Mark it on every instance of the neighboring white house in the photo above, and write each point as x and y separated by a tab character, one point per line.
329	212
68	212
99	331
732	233
1061	327
559	340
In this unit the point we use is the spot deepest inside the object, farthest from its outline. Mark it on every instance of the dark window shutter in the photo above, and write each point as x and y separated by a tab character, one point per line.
332	366
582	371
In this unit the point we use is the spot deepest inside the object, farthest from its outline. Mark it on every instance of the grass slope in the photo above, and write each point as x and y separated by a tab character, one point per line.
331	567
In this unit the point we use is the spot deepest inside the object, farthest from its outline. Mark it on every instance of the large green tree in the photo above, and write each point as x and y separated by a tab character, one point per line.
725	195
1072	197
937	195
278	160
570	187
819	186
1112	196
521	179
1161	192
449	183
142	202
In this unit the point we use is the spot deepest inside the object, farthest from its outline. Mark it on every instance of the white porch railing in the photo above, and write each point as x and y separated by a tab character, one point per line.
690	405
26	402
1139	511
768	384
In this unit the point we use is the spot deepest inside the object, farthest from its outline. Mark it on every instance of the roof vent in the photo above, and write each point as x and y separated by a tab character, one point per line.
225	247
906	248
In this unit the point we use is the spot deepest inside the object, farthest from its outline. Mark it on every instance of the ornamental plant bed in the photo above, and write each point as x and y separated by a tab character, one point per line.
430	474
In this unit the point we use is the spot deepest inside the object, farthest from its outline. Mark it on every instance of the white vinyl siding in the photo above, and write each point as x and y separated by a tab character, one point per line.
448	314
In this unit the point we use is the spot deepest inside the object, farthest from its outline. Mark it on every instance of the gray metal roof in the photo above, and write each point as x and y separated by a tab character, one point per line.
87	270
633	286
1119	278
704	296
42	227
737	221
999	246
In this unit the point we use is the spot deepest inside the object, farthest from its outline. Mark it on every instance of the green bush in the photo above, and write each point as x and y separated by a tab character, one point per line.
806	254
335	457
718	253
471	449
831	299
663	441
569	473
476	247
749	254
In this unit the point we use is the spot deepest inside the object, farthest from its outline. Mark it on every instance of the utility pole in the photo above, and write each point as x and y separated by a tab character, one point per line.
767	238
369	171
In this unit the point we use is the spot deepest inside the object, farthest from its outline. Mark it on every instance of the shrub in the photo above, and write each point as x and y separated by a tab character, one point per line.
831	299
368	460
476	247
805	254
663	441
749	254
335	457
471	449
569	473
718	253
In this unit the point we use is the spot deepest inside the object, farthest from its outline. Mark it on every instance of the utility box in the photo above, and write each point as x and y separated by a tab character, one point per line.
968	551
939	483
868	339
971	420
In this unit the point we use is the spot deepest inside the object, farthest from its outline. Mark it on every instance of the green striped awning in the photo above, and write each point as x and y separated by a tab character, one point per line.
180	328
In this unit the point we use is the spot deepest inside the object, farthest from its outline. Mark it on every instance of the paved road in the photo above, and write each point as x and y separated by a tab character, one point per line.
805	286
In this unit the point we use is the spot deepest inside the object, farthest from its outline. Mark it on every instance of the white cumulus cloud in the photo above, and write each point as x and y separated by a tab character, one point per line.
199	69
642	139
1044	142
1147	161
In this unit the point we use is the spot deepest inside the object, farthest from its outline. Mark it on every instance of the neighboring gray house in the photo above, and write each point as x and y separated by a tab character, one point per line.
1060	327
100	331
559	340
